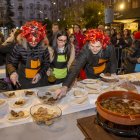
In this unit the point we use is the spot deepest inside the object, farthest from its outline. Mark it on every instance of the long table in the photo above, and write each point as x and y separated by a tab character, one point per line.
63	129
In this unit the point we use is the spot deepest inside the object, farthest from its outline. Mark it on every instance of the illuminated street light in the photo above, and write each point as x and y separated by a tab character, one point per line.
99	13
121	6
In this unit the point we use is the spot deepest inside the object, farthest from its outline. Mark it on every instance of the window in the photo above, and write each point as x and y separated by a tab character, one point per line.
20	22
31	15
38	6
38	16
31	5
20	14
46	7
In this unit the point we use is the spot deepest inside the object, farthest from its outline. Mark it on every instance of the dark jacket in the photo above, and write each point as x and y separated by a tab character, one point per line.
17	62
5	52
130	56
88	60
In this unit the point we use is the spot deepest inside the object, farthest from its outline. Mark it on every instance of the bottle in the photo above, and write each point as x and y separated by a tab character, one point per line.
51	77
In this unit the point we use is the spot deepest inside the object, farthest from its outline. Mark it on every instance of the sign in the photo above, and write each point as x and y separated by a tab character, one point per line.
109	15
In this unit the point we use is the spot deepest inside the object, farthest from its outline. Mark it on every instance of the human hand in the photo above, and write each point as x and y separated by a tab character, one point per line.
11	38
138	60
59	93
14	78
36	78
49	72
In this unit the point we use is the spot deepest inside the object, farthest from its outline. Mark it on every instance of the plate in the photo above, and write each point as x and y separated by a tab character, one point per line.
4	108
78	92
93	91
112	77
26	104
30	92
2	102
89	81
120	89
93	86
53	88
47	98
11	94
79	101
127	77
14	120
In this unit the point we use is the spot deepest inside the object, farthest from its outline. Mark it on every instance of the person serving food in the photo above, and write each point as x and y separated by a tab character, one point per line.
96	57
29	60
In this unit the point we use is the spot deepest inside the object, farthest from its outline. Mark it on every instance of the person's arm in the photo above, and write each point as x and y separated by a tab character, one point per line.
72	74
13	60
6	49
76	67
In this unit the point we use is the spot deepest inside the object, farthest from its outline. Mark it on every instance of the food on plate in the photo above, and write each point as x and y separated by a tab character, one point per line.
136	82
20	102
29	93
45	115
122	106
2	101
10	94
128	86
77	93
47	97
14	115
107	74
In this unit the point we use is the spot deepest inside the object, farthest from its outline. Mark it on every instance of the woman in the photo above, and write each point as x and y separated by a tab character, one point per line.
73	43
131	56
29	61
127	38
96	56
63	56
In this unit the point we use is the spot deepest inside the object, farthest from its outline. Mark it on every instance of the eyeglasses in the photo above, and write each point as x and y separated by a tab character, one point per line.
62	40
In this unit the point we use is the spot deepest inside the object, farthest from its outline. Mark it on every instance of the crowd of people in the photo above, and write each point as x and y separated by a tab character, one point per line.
35	57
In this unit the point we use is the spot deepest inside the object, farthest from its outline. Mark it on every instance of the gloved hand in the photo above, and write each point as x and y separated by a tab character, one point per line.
14	78
59	93
36	78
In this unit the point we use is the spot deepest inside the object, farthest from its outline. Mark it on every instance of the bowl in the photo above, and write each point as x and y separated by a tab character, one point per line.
45	114
115	116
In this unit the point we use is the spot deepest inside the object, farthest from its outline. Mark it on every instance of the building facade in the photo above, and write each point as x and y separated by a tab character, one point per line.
25	10
127	13
2	12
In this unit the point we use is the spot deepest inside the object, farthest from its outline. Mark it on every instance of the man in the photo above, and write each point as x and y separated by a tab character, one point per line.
52	35
96	56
